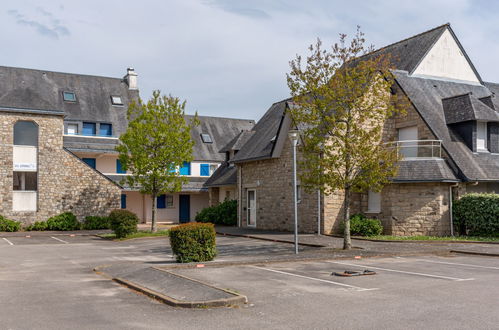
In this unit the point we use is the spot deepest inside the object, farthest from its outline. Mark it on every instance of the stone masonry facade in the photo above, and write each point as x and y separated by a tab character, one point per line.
65	183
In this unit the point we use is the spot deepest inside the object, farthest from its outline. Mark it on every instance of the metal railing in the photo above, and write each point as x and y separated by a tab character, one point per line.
417	148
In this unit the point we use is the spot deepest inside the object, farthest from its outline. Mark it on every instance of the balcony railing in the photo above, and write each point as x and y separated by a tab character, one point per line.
91	135
417	148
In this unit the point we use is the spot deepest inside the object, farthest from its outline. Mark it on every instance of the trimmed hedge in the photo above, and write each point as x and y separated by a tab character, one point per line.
193	242
477	214
95	222
37	226
360	225
224	213
123	222
64	221
9	225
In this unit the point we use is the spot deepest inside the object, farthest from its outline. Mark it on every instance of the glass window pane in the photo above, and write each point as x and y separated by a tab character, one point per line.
169	201
88	128
25	181
26	133
106	129
72	129
116	100
206	138
69	96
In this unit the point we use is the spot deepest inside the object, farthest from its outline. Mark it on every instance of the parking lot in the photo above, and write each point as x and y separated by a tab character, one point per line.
47	282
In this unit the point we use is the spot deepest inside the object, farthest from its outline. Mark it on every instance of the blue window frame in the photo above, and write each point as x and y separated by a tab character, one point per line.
90	162
123	201
106	130
88	128
205	170
161	201
185	169
119	168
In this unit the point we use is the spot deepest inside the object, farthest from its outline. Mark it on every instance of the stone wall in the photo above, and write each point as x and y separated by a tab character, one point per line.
65	183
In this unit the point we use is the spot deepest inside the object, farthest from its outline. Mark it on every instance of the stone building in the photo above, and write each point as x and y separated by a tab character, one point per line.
449	140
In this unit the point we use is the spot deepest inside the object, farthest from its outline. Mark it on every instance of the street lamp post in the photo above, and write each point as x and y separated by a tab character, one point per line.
293	137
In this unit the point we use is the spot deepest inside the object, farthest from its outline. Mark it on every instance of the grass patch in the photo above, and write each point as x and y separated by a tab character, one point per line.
139	234
435	238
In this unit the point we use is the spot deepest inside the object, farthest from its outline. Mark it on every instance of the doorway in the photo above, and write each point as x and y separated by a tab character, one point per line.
184	208
251	216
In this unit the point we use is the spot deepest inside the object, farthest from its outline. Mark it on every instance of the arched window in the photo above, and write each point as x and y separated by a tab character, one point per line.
26	133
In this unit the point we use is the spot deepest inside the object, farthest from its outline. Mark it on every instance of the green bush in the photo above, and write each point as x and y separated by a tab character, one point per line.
64	221
95	222
123	222
9	225
38	226
477	214
360	225
193	242
224	213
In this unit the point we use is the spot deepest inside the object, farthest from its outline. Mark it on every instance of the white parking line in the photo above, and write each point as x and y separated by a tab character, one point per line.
314	279
404	272
60	240
10	243
457	264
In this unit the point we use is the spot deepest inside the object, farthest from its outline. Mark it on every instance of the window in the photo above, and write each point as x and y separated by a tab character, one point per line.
206	138
298	193
164	201
90	162
119	168
72	129
106	130
409	148
69	96
89	129
481	136
213	168
373	202
205	170
25	134
123	201
25	181
116	100
185	169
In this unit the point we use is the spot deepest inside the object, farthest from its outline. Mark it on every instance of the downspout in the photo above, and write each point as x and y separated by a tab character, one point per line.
240	206
451	218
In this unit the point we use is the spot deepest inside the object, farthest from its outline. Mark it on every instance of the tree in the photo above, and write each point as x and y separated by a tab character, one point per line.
341	100
155	145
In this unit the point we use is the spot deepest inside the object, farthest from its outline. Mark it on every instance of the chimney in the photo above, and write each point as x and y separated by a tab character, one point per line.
131	78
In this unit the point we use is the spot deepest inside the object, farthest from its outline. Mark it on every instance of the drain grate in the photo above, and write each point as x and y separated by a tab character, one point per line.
350	273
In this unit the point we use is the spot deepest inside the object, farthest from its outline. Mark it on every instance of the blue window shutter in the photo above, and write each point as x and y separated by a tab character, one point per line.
185	169
123	201
106	130
161	201
119	169
88	129
90	162
205	170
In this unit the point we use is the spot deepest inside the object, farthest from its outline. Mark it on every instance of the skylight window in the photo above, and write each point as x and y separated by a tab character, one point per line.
206	138
116	100
69	96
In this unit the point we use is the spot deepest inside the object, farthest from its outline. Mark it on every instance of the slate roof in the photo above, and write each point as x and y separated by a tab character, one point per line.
424	170
225	175
238	141
195	184
467	107
426	95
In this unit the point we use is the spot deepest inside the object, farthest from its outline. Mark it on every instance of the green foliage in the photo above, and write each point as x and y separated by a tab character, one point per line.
224	213
37	226
9	225
360	225
95	222
64	221
477	214
193	242
123	222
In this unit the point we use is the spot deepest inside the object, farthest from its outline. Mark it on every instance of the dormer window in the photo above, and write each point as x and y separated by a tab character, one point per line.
69	96
116	100
206	138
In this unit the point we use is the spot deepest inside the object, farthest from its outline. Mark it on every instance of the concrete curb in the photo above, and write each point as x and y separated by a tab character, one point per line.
271	239
485	254
414	241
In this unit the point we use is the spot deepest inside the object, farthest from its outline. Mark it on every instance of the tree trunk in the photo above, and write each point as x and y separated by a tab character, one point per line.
347	242
154	210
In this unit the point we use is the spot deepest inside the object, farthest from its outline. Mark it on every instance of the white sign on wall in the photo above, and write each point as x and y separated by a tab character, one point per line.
25	167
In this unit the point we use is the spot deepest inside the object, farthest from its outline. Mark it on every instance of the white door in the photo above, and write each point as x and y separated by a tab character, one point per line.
410	147
251	208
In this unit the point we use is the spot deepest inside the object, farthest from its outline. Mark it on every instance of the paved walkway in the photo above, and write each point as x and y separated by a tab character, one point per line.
378	247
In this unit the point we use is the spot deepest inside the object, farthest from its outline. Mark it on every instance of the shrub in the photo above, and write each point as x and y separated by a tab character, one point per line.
95	222
193	242
9	225
360	225
477	214
224	213
38	226
123	222
64	221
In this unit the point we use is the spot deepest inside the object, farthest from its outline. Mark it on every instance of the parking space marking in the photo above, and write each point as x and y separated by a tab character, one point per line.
10	243
405	272
60	240
315	279
457	264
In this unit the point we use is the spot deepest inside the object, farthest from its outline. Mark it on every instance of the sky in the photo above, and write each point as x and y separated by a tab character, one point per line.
227	58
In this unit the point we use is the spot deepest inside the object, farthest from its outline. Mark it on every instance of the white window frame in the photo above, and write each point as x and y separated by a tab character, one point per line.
481	139
72	125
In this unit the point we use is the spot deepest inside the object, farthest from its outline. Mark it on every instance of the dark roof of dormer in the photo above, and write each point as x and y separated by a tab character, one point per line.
467	107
